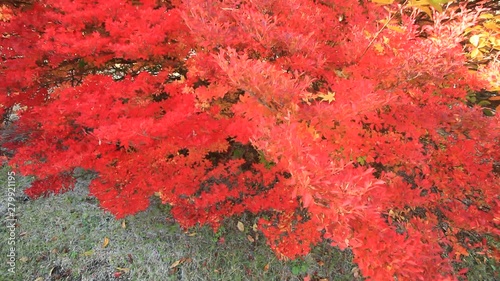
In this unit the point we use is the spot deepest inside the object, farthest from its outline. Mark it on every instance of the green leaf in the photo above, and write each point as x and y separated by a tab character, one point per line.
484	103
488	112
361	160
238	152
471	98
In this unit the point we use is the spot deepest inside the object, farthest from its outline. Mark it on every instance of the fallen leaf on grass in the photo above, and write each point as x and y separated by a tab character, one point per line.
124	225
266	267
175	264
105	242
123	269
129	258
240	226
179	262
88	253
250	238
355	272
23	259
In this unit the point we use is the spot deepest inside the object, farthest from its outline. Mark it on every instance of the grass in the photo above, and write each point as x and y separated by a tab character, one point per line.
62	237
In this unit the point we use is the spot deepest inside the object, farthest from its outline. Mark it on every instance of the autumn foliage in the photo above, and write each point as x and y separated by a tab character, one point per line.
338	120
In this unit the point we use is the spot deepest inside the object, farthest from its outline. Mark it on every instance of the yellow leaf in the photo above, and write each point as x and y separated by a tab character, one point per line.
378	47
482	43
266	267
123	269
436	4
474	40
88	253
396	28
426	10
254	227
105	242
486	16
417	3
240	226
491	25
327	97
192	234
474	28
383	2
475	53
124	225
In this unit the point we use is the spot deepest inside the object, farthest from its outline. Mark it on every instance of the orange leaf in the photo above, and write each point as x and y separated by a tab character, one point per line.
175	264
459	250
105	242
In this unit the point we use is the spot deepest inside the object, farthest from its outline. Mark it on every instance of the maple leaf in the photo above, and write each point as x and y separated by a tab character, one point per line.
328	97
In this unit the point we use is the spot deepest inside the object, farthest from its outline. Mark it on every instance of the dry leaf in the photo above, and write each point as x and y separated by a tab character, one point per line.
129	258
240	226
191	234
23	259
39	279
266	267
355	272
254	227
105	242
495	98
250	238
175	264
124	225
123	269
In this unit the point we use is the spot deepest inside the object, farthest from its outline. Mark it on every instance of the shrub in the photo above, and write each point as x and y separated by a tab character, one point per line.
337	120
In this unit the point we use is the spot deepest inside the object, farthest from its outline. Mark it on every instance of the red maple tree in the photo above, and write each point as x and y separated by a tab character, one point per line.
356	114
